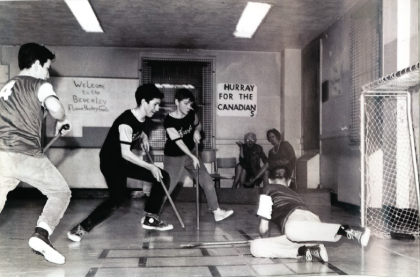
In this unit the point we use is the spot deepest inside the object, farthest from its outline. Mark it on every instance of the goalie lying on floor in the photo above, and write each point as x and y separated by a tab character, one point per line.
284	207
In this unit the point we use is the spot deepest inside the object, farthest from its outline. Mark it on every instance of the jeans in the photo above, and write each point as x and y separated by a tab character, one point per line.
116	180
175	165
40	173
301	226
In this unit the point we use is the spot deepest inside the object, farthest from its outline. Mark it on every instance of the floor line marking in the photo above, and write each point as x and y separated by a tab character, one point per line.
402	255
244	234
104	254
205	252
174	266
142	262
334	268
214	271
92	272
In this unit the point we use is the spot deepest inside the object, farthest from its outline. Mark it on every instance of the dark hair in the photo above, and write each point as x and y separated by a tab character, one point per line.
275	132
184	93
274	169
29	53
147	92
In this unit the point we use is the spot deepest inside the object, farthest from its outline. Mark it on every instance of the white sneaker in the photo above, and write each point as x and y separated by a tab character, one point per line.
220	214
41	245
360	236
76	233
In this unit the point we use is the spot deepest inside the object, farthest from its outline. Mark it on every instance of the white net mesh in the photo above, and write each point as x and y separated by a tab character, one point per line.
401	80
391	199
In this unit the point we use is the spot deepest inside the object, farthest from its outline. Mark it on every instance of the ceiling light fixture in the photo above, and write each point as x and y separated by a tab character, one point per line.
252	16
84	13
174	86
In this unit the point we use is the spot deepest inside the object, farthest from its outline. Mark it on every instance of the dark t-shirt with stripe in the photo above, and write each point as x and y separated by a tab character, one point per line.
285	202
111	149
185	128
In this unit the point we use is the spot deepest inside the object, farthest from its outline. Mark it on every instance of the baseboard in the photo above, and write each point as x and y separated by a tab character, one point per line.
346	206
187	195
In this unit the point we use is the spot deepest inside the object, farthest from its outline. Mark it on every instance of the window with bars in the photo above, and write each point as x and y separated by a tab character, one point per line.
172	74
365	49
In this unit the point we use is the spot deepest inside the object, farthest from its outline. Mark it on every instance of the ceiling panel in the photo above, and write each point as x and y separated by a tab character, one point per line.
187	24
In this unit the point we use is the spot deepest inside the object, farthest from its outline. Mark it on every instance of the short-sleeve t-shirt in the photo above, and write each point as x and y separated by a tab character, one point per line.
22	113
285	202
185	128
126	129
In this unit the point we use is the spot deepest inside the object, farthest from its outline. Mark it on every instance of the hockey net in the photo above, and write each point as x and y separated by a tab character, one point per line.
390	185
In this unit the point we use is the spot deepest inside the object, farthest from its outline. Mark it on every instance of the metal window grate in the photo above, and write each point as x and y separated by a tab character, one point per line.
173	73
365	57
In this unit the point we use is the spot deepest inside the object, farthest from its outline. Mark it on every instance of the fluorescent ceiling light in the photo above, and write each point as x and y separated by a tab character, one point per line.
174	86
252	16
83	12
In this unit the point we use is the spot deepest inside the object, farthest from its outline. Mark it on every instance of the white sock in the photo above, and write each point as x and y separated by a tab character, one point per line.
215	211
45	226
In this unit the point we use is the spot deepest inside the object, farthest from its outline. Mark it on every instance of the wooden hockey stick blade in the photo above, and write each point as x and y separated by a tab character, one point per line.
192	245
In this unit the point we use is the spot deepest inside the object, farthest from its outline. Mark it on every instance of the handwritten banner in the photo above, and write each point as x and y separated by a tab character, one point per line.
92	102
236	100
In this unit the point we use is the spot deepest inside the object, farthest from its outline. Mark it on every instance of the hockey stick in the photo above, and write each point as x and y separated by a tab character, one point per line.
197	190
192	245
64	127
167	193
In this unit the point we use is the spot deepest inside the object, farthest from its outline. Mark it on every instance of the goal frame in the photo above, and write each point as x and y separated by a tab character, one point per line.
372	93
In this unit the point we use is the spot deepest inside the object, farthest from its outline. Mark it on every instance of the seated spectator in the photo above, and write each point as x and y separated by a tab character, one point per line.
282	154
250	157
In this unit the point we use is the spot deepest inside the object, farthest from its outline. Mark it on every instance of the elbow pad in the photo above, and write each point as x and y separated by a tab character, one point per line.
265	206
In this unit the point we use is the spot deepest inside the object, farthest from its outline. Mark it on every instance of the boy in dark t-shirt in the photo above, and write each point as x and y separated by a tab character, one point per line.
284	207
117	162
182	132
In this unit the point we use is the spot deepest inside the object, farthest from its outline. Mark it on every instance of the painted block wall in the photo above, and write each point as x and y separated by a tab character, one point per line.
337	155
340	161
81	166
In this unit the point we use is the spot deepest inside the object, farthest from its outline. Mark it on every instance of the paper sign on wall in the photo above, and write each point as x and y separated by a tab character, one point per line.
236	100
92	102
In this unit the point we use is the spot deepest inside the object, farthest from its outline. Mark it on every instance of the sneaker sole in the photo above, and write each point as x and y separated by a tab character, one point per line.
364	240
49	253
227	215
157	228
73	237
323	253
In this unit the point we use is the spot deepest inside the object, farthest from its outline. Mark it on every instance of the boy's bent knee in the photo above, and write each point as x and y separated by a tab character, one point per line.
292	230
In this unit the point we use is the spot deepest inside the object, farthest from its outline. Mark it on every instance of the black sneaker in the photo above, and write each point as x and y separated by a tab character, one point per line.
76	233
318	251
151	223
360	236
41	245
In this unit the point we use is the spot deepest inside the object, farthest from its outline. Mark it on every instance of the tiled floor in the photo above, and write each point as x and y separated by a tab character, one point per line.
120	247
